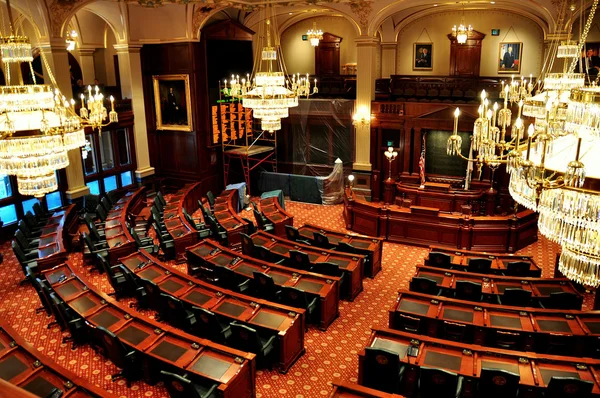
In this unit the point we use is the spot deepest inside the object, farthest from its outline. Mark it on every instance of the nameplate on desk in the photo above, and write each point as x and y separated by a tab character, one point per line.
430	211
437	187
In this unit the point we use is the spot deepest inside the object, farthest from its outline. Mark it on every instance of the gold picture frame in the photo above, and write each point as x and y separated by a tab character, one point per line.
172	102
422	56
510	55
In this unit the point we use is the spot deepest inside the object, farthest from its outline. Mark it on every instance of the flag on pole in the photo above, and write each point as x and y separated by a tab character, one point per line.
469	168
422	162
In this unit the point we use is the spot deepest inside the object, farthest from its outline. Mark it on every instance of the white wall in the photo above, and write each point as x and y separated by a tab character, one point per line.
299	56
438	27
104	60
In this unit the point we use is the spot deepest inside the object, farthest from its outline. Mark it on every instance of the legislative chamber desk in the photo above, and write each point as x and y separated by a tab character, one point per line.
119	239
429	226
351	264
533	329
466	360
345	389
225	211
494	285
441	196
36	375
500	262
285	322
369	246
161	346
272	210
181	231
55	240
210	254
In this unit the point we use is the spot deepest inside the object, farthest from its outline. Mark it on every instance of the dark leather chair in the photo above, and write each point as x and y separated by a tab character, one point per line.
211	199
167	245
248	339
382	370
105	204
295	297
267	255
265	287
515	297
94	249
322	240
153	296
293	234
332	269
507	340
116	278
30	250
251	226
498	383
92	225
146	244
300	260
177	315
568	387
479	265
45	300
209	326
29	266
439	383
201	228
517	268
161	198
440	260
120	355
468	290
346	248
33	222
29	233
230	280
101	213
218	232
41	213
562	301
182	387
248	247
409	324
455	331
261	222
75	324
424	285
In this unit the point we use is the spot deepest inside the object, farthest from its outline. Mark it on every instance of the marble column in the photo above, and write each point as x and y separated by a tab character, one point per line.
388	59
86	61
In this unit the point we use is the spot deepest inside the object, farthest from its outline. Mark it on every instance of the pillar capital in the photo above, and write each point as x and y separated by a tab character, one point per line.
387	45
86	51
127	48
366	41
56	45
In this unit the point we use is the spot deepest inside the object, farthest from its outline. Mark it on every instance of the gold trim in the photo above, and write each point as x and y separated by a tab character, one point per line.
156	79
414	60
499	60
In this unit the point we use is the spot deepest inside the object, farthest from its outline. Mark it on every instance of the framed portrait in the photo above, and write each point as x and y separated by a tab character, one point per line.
172	102
509	57
423	56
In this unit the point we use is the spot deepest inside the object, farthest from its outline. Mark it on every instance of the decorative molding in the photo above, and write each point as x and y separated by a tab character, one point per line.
59	10
362	9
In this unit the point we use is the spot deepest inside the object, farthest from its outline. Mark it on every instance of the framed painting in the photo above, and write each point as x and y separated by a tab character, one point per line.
172	102
423	56
509	57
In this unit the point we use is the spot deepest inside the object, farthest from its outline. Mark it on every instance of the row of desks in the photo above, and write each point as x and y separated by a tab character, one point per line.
351	264
162	346
33	372
119	239
494	285
210	254
55	238
272	210
371	247
459	260
580	330
286	322
466	360
225	210
181	231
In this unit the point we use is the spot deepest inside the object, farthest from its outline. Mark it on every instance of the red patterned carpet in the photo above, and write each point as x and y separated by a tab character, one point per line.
328	354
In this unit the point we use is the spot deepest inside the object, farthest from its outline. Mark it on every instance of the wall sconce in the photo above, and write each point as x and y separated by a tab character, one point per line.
350	181
362	117
391	155
70	40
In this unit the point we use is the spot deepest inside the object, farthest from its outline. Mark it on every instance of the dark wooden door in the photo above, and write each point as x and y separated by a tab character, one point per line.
327	56
465	59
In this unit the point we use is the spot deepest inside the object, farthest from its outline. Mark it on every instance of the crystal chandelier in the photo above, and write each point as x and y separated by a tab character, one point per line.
314	35
70	40
93	110
462	31
270	91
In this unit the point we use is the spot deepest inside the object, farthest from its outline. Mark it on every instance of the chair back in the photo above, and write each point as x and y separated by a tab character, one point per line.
175	310
498	383
136	237
468	290
568	387
210	198
181	387
30	219
39	211
517	268
245	338
18	252
292	233
153	293
263	253
321	240
102	214
516	297
345	248
204	212
88	242
565	301
161	198
479	265
114	349
227	277
104	202
21	239
211	325
440	260
44	299
300	260
94	233
260	221
251	226
294	297
438	383
105	266
382	369
265	285
422	284
23	227
248	247
327	268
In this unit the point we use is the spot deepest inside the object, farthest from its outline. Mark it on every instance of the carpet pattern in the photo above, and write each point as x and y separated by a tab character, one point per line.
328	354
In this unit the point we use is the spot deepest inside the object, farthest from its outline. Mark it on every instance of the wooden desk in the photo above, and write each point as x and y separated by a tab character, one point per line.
119	239
272	210
161	345
225	212
441	196
344	389
467	360
35	373
482	320
494	285
55	240
181	231
286	322
426	226
211	254
351	264
460	261
370	246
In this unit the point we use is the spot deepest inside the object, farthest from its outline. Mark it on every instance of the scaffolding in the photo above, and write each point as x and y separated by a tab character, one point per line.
233	129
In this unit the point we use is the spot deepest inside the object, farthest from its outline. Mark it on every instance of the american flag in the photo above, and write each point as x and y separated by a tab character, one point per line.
422	162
